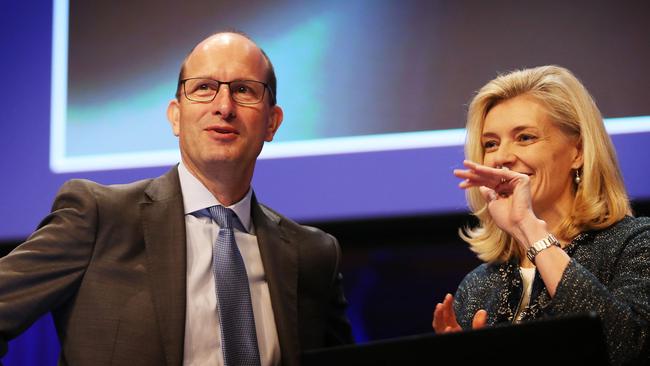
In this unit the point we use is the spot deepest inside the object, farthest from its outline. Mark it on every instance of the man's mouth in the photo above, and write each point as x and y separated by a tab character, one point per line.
223	130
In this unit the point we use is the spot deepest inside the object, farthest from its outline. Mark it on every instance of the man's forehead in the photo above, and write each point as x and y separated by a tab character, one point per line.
226	40
230	47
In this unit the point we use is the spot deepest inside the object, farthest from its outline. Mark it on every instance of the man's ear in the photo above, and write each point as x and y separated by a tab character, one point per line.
275	120
174	116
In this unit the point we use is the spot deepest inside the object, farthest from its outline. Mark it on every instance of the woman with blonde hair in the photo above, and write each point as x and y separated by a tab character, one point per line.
555	229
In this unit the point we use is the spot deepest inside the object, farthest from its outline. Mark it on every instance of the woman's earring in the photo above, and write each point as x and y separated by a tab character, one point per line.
577	178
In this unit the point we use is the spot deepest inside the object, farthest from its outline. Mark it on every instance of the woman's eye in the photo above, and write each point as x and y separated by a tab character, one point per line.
487	145
526	137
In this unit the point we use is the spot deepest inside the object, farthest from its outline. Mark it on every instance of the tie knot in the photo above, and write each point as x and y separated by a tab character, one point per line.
225	218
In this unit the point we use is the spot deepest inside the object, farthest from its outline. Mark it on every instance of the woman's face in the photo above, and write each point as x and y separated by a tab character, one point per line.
519	135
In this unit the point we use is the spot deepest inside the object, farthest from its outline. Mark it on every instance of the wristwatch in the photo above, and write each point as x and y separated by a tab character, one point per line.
540	245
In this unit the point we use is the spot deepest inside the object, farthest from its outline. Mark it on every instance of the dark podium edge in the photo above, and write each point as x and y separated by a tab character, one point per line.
575	339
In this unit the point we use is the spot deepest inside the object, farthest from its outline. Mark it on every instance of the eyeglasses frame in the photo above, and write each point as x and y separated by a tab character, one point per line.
219	83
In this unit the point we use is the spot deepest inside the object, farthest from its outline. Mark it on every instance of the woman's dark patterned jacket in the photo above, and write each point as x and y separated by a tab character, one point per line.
609	273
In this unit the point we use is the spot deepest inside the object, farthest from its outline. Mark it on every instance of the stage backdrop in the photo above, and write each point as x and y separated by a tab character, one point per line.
374	93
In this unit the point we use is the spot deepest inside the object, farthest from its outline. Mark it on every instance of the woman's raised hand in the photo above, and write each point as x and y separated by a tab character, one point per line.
506	192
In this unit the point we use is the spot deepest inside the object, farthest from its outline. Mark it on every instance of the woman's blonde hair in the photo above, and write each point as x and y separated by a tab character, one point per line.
600	197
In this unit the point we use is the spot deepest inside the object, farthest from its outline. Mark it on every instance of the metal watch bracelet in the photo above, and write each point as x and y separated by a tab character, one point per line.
540	245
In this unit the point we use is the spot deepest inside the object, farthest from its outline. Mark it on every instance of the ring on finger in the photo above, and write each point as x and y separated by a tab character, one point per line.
503	180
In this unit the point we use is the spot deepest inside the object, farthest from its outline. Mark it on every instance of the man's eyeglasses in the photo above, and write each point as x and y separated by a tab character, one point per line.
242	91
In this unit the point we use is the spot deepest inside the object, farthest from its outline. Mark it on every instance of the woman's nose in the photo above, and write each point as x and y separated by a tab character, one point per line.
503	157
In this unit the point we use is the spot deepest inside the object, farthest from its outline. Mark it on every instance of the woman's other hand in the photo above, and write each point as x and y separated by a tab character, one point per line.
444	317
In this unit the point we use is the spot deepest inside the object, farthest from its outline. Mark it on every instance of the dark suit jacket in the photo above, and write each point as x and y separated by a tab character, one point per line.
109	262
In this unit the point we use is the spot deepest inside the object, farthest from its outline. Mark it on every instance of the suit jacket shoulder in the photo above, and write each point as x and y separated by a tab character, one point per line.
97	262
302	264
308	238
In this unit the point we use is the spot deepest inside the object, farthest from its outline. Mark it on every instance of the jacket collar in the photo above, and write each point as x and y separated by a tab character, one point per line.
280	258
163	226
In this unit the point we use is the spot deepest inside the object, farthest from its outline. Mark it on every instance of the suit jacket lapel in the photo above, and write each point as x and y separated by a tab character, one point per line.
280	258
164	235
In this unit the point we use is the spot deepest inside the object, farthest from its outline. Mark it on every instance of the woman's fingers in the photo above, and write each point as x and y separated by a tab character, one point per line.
488	194
437	323
480	175
479	320
502	181
471	179
441	316
444	318
449	311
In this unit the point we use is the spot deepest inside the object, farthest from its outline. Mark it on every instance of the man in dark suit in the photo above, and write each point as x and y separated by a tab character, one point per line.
127	270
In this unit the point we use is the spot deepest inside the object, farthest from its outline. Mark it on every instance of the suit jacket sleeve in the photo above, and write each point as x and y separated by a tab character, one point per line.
339	331
46	269
321	301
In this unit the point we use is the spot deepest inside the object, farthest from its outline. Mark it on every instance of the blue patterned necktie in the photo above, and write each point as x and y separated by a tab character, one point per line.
238	335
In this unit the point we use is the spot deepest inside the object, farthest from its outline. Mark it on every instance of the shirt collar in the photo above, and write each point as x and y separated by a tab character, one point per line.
197	197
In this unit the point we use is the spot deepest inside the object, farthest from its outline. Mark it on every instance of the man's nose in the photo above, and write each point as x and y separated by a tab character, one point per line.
223	104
